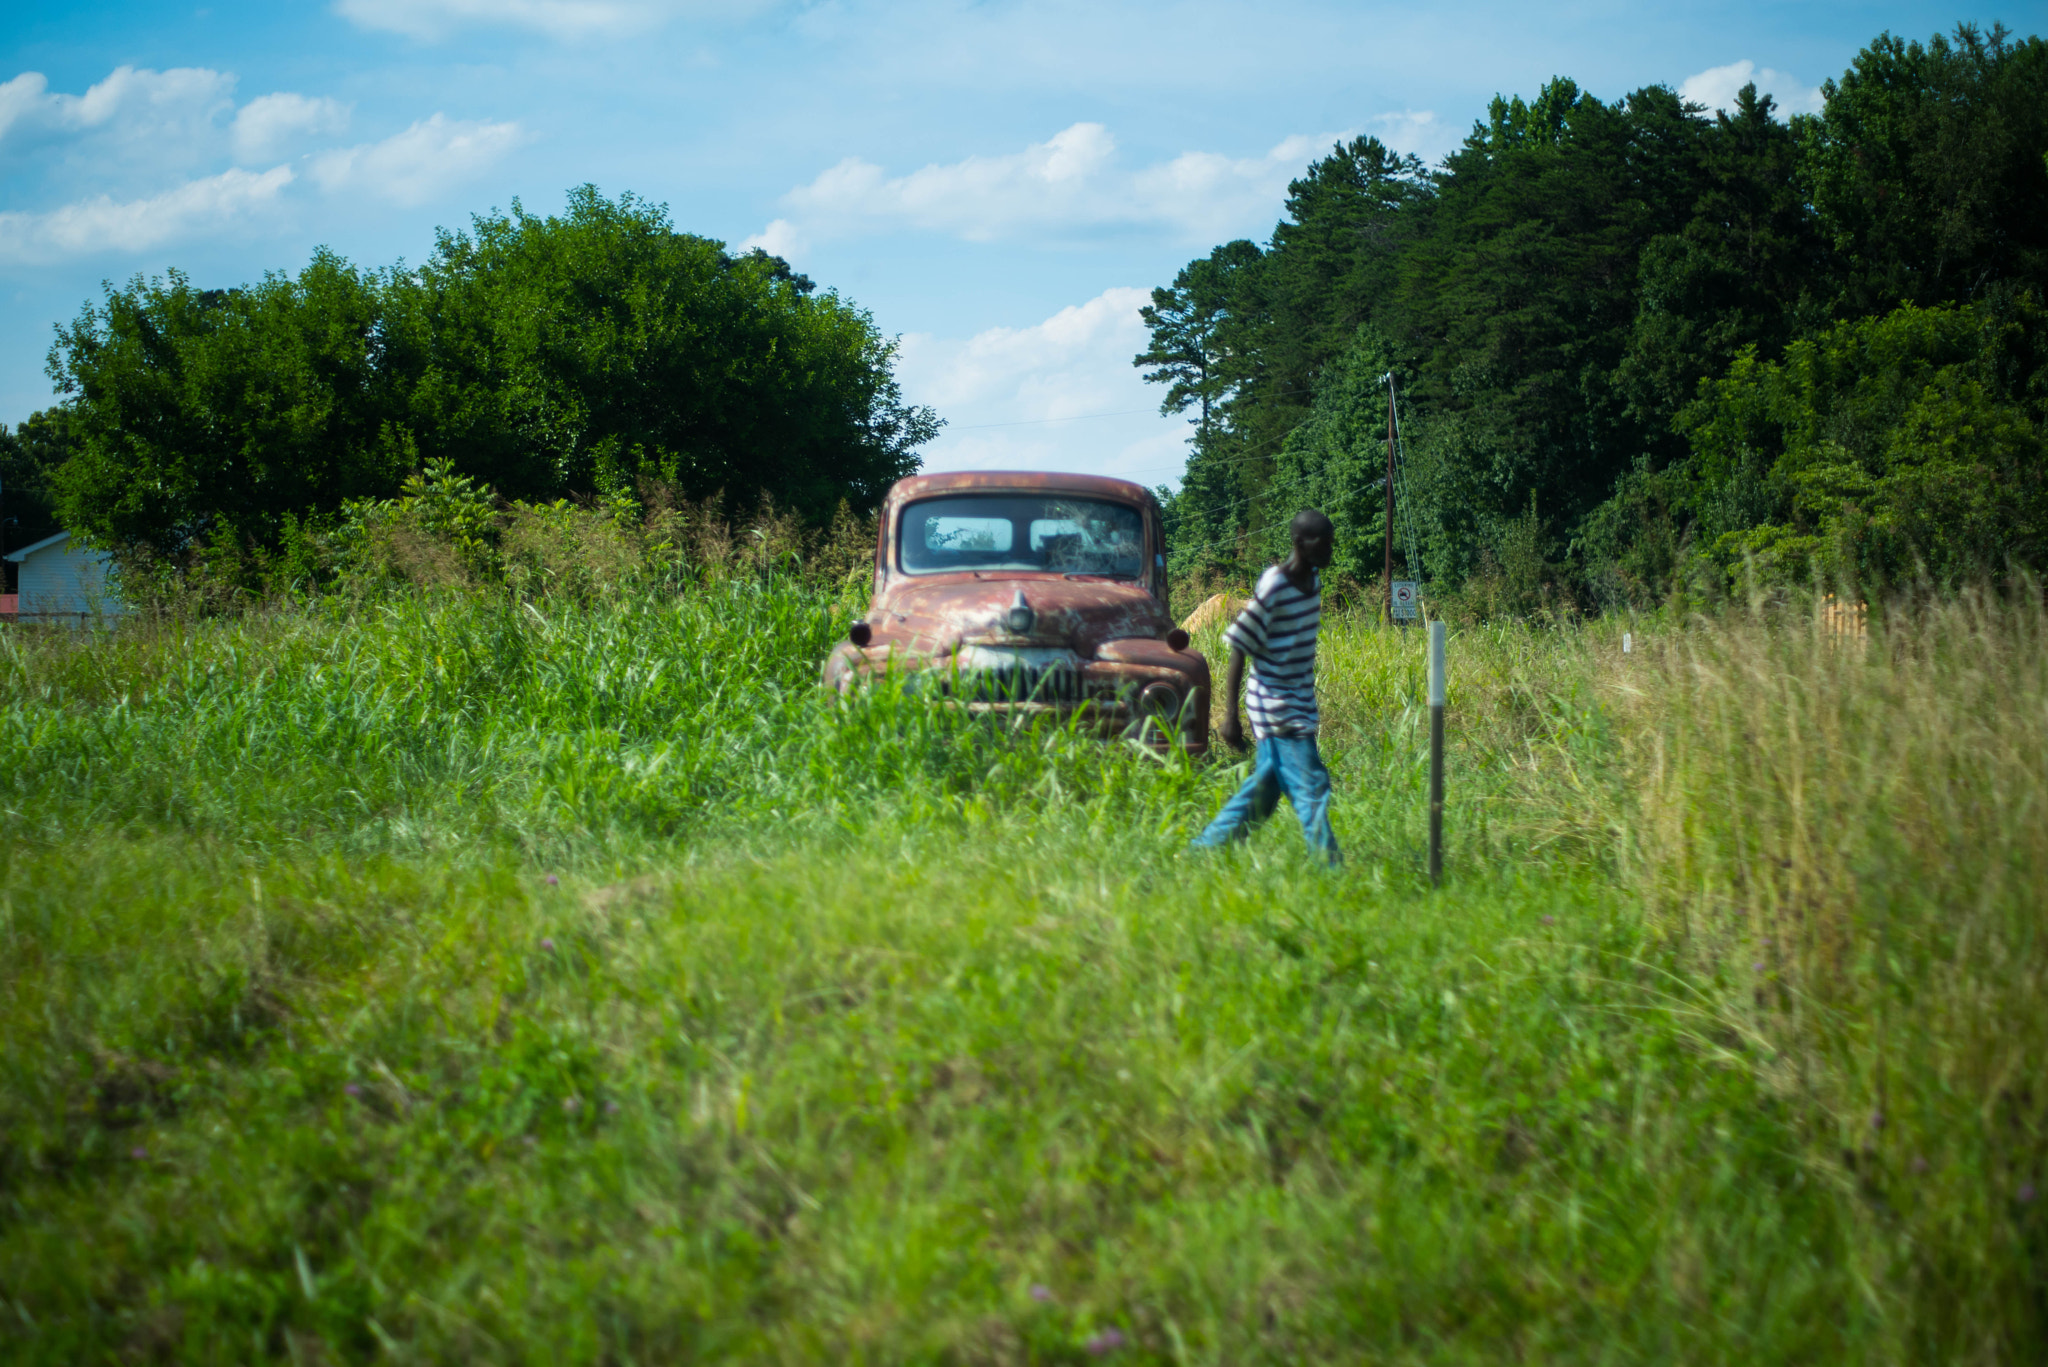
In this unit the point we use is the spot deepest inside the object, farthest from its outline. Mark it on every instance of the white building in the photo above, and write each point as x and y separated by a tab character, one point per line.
60	578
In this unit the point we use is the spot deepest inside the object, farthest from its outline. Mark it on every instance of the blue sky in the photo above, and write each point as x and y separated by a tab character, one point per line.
1001	184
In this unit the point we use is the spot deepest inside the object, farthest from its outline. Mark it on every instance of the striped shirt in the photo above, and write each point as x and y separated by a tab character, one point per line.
1277	632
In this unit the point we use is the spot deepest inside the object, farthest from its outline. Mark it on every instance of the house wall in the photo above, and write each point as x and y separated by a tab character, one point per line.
65	578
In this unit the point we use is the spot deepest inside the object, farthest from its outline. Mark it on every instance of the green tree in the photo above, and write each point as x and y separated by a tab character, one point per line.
1336	461
1189	324
1270	322
545	357
1335	263
1747	269
29	458
1196	326
222	412
1564	284
1926	168
1522	300
1750	269
579	353
1881	449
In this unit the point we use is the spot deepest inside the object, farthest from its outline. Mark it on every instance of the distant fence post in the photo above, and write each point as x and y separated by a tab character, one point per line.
1436	753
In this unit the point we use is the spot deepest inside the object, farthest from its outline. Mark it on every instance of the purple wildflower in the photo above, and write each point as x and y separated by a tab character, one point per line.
611	1108
1758	966
547	943
1040	1291
553	881
1550	920
138	1153
1918	1164
570	1104
353	1089
2026	1193
1877	1120
1108	1340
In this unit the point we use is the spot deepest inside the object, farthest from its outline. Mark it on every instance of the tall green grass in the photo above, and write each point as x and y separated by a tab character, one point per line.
1850	840
448	978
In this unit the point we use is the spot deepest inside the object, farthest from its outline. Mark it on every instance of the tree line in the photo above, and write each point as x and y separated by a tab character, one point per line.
575	356
1641	349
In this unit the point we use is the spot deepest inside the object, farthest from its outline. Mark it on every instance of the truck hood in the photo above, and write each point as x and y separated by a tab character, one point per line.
933	614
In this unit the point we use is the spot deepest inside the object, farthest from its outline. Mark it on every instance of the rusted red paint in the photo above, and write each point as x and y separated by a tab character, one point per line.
1115	628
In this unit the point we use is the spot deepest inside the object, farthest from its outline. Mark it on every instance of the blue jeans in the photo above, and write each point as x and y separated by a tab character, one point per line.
1285	764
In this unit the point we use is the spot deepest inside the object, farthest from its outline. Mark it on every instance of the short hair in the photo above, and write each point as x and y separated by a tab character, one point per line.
1309	520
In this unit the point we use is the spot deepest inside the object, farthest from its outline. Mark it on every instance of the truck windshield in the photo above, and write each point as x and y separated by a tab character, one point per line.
1022	532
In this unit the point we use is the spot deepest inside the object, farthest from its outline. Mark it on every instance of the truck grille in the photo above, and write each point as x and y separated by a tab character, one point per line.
1008	674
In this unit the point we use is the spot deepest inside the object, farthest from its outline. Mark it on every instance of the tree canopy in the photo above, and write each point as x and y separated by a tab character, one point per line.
546	357
29	456
1581	303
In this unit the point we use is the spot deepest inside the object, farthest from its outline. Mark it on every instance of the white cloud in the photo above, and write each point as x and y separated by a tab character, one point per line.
1072	181
132	105
267	126
145	157
21	99
418	164
1717	87
430	20
409	168
779	238
138	129
1206	195
148	98
1417	130
1061	394
1061	179
1011	363
104	224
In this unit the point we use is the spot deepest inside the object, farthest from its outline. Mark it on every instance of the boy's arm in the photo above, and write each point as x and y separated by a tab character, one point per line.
1232	730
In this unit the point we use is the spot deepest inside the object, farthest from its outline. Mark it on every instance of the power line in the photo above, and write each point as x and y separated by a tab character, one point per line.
1415	566
1405	513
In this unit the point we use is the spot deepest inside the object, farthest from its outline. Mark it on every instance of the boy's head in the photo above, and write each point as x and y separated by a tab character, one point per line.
1315	540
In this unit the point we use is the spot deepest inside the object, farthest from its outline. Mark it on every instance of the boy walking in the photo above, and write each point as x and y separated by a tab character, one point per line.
1277	633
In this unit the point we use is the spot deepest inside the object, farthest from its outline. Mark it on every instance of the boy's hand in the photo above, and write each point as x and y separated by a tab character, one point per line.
1232	730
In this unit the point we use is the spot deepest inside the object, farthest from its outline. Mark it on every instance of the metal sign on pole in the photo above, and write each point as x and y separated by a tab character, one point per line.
1407	600
1436	753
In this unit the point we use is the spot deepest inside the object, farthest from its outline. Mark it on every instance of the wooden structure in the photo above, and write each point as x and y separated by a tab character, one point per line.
58	579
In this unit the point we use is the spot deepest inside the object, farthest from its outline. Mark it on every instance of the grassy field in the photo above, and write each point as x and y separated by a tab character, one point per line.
449	978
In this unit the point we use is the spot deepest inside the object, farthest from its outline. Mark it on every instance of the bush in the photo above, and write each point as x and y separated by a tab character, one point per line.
446	532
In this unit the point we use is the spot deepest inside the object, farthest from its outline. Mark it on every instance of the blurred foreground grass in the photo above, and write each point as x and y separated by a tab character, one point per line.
455	979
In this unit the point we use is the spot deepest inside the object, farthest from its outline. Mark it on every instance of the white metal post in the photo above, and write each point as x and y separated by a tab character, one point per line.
1436	753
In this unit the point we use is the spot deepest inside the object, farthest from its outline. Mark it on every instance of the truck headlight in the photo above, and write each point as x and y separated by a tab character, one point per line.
1159	700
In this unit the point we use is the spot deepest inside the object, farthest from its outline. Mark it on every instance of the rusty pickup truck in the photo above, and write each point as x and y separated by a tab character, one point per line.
1030	595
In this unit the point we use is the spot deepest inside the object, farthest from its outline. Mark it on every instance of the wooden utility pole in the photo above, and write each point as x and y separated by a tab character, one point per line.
1388	539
